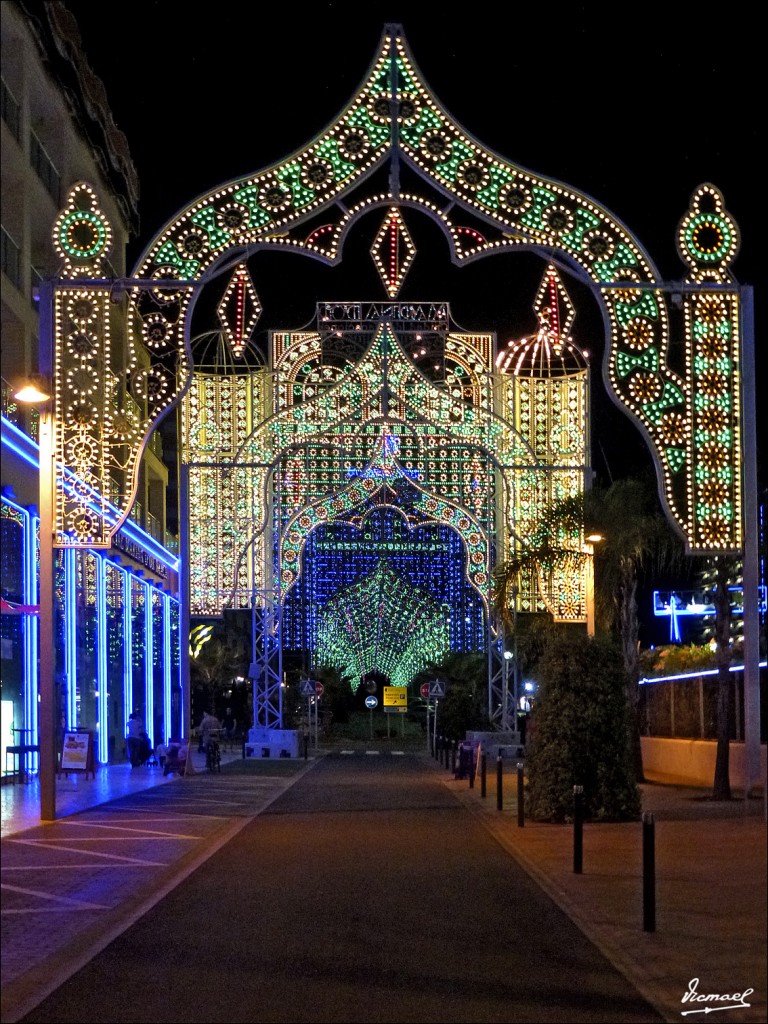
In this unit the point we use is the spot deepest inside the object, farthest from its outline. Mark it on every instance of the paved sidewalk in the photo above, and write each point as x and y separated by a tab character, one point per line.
711	885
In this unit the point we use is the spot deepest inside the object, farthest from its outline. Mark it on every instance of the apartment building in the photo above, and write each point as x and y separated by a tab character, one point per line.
117	617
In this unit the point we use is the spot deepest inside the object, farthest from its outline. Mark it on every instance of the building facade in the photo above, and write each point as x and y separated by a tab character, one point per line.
117	623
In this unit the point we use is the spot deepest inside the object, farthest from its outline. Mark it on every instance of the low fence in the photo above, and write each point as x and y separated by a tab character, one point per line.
692	762
685	707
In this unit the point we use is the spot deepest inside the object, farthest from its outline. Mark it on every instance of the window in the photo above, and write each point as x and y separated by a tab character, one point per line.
10	110
43	166
10	258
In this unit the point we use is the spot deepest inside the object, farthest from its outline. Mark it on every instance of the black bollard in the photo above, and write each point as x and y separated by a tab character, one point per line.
483	788
454	748
649	873
578	830
306	745
520	795
441	747
471	756
500	782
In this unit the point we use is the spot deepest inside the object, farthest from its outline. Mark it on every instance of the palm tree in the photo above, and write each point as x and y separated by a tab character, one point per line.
636	537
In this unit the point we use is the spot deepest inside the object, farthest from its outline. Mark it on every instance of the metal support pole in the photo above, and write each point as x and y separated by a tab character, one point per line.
578	830
520	795
750	567
649	873
47	705
46	715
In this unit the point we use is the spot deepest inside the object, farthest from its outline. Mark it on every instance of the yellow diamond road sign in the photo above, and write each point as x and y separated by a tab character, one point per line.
395	696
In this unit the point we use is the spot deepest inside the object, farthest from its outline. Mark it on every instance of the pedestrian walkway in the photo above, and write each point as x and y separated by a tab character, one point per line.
709	938
710	882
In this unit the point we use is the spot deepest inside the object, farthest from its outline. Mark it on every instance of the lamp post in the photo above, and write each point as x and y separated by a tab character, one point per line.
37	392
589	548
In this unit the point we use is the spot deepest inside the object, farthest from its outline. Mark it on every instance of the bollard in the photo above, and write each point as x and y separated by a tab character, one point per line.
578	830
471	766
483	789
455	747
500	781
306	744
520	796
649	873
441	747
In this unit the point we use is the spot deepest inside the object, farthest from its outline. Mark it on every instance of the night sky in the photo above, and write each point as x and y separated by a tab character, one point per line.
616	102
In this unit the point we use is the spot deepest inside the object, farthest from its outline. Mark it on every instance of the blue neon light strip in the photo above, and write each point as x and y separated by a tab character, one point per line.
31	633
127	650
149	705
102	681
29	626
70	634
166	667
694	675
18	442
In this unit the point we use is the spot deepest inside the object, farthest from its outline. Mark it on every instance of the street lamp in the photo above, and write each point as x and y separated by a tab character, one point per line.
36	392
589	548
508	656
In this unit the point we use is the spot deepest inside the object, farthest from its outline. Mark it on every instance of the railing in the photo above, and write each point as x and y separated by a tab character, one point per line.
154	527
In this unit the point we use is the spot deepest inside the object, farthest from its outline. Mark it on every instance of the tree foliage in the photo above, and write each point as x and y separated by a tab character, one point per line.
579	733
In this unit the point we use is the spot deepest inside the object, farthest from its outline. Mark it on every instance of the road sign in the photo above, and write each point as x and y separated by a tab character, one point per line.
319	689
437	688
308	687
396	696
424	690
371	702
395	711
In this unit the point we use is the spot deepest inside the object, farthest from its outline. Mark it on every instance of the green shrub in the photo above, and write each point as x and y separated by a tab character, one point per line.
579	733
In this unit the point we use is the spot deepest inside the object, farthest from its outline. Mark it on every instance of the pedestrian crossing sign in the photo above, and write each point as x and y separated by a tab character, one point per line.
437	688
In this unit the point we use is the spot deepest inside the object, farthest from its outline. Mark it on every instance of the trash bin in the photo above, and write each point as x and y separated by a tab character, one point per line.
465	763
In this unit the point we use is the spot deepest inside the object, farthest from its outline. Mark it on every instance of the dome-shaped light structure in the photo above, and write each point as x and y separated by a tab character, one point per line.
544	355
547	397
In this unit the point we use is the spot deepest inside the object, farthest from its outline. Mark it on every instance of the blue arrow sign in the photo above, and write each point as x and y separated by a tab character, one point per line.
371	702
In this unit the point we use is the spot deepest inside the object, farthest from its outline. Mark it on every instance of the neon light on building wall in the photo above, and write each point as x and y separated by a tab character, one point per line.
167	725
70	634
102	675
149	701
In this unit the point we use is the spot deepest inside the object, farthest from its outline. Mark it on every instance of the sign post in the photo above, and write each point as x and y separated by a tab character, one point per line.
370	703
436	690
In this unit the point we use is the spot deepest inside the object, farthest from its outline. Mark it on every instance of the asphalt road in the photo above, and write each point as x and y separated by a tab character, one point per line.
366	892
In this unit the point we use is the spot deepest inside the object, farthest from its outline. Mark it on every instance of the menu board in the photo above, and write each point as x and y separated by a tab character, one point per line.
77	752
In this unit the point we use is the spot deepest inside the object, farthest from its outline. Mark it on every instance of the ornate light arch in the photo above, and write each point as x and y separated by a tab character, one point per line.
689	414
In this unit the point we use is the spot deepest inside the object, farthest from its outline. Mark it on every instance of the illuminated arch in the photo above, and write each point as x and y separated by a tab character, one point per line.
307	203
